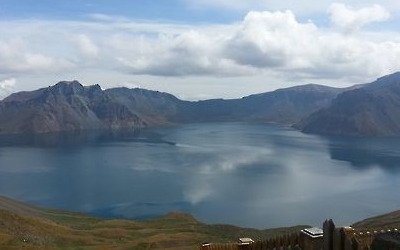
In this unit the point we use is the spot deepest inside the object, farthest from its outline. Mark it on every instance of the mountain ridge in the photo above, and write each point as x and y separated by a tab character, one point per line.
66	106
70	106
373	110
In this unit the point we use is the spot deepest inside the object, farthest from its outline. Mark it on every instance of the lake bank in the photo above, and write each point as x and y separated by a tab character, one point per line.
30	227
34	227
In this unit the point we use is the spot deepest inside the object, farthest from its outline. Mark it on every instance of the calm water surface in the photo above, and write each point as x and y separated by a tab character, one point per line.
252	175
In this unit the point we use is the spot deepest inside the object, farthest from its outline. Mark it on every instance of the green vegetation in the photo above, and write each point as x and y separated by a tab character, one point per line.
386	221
28	227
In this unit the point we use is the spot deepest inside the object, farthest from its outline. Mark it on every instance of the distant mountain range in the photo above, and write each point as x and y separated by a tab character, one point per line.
369	109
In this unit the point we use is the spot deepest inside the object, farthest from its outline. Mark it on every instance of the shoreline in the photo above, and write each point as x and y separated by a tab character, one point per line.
25	225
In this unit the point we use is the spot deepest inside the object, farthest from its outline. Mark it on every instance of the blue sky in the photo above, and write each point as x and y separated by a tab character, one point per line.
156	10
197	49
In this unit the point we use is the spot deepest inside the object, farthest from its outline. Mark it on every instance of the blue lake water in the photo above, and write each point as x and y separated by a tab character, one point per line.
253	175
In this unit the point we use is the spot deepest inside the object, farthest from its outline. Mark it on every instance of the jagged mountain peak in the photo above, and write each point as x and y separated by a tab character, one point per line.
70	83
67	87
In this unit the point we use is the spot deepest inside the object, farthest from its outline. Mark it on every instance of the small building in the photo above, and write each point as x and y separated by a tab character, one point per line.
314	232
312	238
245	241
205	245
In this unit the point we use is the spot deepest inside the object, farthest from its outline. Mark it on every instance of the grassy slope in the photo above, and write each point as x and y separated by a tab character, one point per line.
386	221
29	227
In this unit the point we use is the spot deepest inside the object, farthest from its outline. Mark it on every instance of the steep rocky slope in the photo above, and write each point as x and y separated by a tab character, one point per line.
65	106
154	107
373	109
69	106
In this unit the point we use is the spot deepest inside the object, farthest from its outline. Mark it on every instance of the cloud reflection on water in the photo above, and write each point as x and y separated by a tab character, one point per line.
253	175
277	178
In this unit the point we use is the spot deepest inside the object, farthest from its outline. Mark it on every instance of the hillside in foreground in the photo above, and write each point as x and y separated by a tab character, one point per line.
29	227
389	220
24	226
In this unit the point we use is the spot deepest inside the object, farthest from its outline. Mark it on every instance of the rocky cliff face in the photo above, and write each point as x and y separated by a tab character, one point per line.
69	106
373	109
65	106
153	107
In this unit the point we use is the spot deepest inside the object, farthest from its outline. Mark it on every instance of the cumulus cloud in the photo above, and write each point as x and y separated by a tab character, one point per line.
184	54
189	53
263	42
348	19
270	44
269	39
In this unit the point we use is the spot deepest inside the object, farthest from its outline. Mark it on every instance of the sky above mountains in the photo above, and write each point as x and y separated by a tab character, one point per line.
197	49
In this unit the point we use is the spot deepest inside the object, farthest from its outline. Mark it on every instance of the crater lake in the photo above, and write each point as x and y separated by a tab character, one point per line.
250	175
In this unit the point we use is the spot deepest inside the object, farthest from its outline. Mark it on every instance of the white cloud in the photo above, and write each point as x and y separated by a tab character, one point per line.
269	39
189	53
263	43
6	87
348	19
7	83
17	57
263	47
86	46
